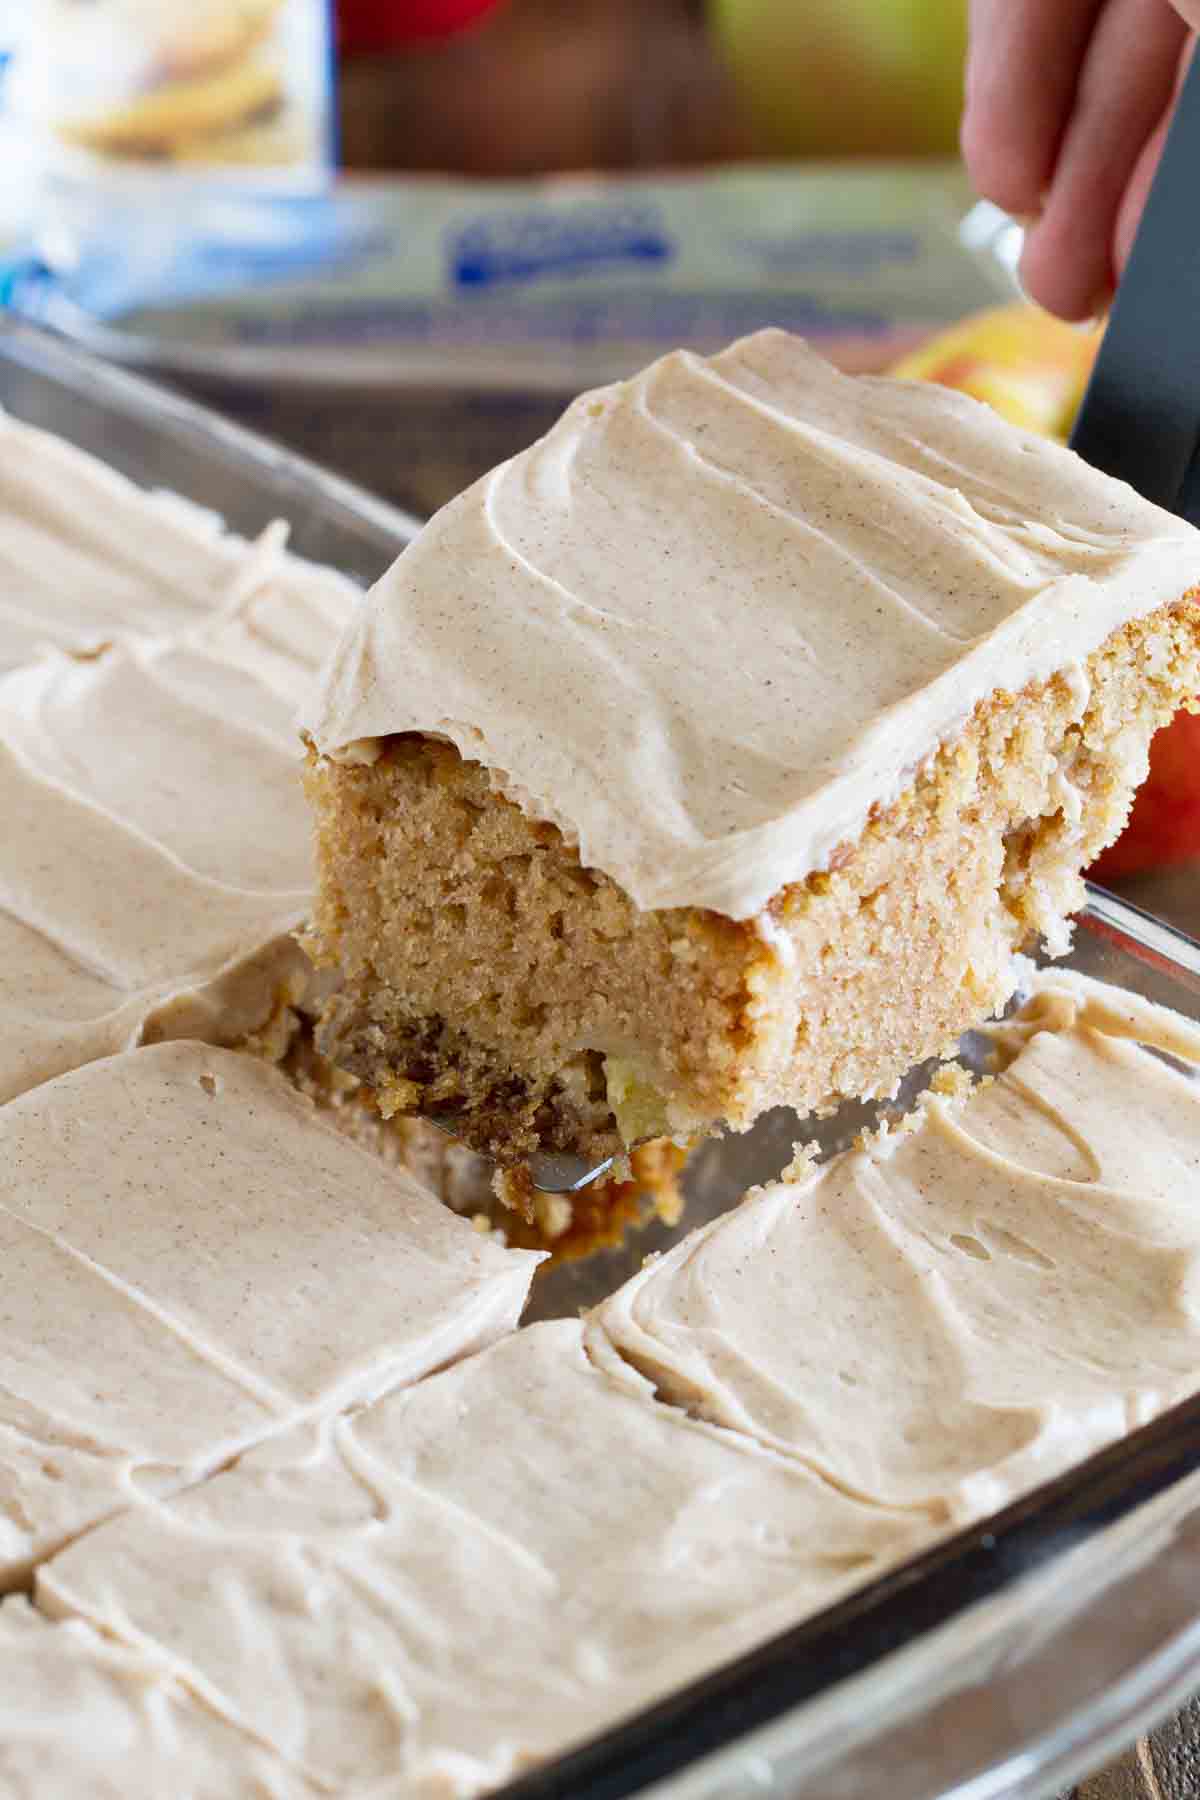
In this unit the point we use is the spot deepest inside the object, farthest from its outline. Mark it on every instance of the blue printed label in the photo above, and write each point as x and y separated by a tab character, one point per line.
537	241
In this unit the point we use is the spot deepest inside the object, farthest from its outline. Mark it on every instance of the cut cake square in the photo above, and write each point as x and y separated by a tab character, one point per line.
719	751
156	857
964	1307
510	1556
84	1717
193	1261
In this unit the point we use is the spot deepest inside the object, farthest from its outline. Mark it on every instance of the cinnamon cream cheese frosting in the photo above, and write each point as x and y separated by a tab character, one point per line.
725	608
85	1718
430	1593
86	554
157	852
488	1567
964	1308
192	1262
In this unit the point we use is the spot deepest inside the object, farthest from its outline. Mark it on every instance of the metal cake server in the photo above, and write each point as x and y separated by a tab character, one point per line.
551	1171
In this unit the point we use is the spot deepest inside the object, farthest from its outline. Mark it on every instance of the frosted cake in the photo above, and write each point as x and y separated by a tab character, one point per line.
718	751
83	1717
463	1579
86	554
300	1507
964	1307
487	1568
193	1260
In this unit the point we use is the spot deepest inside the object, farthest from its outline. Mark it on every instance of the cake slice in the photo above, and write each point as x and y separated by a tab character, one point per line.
964	1307
475	1574
83	1717
720	750
192	1262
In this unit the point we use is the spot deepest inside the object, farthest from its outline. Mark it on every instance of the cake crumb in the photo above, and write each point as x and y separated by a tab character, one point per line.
805	1158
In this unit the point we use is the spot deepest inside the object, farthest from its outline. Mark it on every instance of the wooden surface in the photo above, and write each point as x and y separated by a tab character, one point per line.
1163	1766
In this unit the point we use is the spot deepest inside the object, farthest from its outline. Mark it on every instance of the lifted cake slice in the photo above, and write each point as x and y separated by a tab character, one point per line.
719	751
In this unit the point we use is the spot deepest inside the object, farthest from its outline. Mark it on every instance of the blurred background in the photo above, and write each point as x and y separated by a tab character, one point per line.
399	235
499	200
542	85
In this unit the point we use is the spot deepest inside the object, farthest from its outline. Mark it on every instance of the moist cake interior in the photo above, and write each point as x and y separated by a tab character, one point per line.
485	974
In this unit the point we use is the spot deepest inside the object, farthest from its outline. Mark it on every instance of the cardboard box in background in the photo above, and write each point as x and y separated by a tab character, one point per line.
414	332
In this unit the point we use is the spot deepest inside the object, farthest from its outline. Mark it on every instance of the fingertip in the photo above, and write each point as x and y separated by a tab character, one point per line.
1077	289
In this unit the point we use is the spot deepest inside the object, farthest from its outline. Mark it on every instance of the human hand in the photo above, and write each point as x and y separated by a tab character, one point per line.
1067	106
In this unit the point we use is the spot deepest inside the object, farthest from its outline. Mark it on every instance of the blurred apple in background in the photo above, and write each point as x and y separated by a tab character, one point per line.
367	25
1033	369
847	77
1027	365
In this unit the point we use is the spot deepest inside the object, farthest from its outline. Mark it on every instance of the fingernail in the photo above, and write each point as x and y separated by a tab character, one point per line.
1028	220
1098	311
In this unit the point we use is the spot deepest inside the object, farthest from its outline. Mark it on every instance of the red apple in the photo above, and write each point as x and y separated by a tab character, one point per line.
365	26
1164	826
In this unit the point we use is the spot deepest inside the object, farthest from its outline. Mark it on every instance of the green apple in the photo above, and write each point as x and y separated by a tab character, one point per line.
848	77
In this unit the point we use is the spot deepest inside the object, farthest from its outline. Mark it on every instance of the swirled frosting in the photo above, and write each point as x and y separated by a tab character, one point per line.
85	1717
156	847
724	608
157	850
425	1596
962	1309
193	1261
501	1560
86	554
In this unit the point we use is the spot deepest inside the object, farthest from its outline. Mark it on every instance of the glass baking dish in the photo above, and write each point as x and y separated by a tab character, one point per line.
163	441
1006	1661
